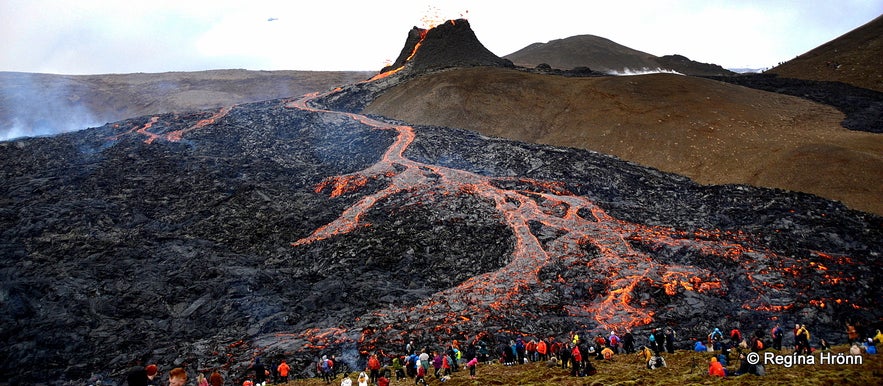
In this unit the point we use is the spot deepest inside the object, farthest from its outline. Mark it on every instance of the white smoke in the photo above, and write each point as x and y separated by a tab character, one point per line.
38	105
643	71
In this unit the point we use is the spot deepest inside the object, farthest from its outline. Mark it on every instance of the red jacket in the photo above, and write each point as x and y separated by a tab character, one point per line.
541	347
577	356
373	363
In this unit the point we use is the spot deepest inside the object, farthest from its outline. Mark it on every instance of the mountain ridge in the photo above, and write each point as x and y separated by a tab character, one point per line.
604	55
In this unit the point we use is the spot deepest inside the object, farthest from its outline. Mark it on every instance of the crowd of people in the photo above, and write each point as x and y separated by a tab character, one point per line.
421	363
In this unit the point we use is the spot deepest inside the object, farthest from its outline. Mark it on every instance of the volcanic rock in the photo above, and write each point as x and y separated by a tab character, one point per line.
451	44
289	229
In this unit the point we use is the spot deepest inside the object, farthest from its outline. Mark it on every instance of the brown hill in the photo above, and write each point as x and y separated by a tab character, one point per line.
38	104
604	55
855	58
712	132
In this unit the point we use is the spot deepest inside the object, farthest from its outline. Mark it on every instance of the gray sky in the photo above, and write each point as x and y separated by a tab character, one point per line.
95	37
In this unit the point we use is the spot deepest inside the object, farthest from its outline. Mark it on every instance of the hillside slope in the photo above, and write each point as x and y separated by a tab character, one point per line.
605	55
855	58
712	132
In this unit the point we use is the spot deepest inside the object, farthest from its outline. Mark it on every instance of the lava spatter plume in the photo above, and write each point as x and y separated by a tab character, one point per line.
622	264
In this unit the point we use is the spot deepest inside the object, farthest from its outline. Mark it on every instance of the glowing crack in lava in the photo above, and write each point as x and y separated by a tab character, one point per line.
616	250
172	135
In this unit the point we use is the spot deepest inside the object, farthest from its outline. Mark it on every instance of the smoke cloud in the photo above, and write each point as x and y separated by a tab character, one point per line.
31	105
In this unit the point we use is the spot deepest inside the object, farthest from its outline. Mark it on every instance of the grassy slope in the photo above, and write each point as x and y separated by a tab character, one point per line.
629	370
712	132
855	58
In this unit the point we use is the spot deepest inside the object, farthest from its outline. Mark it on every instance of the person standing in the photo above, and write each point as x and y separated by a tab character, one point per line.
670	340
576	358
216	379
283	370
542	350
777	335
177	377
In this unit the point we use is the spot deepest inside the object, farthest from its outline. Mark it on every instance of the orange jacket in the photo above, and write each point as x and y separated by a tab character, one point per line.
716	369
541	347
283	369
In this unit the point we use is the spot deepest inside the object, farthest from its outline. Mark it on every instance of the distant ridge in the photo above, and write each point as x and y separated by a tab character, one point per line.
854	58
605	55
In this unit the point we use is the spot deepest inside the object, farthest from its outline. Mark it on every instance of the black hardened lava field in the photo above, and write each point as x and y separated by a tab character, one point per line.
293	228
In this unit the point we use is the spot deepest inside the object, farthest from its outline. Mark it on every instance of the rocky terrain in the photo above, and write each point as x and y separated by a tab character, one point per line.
292	228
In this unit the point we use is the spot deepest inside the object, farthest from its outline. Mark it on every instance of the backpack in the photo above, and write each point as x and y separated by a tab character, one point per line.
325	366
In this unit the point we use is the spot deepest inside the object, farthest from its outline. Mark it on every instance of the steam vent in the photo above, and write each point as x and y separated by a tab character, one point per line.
294	227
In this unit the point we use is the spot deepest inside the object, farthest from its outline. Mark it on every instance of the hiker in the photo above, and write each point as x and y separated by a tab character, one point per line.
283	370
565	355
851	332
531	350
421	374
483	352
216	379
384	379
362	379
471	366
670	340
398	368
645	354
735	336
260	372
715	368
437	362
823	345
346	381
855	350
613	342
660	340
201	380
607	353
777	334
802	340
542	350
575	359
628	342
745	367
699	346
137	376
655	362
879	337
373	368
519	351
177	377
324	367
600	344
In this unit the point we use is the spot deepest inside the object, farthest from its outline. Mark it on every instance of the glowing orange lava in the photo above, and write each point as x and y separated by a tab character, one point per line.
174	135
551	205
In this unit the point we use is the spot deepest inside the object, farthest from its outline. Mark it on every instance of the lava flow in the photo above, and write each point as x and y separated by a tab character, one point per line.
172	135
624	255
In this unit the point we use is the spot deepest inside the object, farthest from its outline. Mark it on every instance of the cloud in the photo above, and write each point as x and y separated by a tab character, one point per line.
101	36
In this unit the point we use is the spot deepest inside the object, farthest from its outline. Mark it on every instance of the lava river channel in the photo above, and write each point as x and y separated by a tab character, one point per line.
583	226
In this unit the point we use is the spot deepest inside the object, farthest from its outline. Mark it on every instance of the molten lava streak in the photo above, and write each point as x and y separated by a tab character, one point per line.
172	135
622	249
